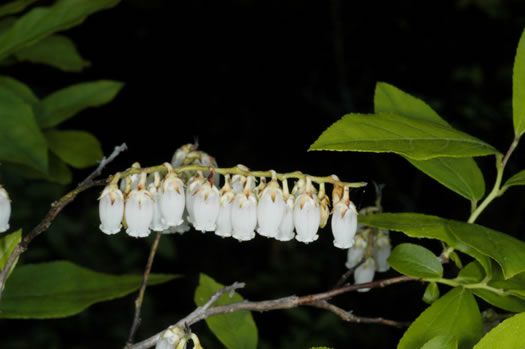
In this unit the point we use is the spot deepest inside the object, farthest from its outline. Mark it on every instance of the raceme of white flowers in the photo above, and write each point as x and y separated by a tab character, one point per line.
239	209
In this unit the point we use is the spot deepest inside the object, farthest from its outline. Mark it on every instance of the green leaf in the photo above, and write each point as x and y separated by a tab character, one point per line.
418	225
441	342
236	330
461	175
58	171
65	103
15	7
431	293
416	261
7	245
57	51
77	148
517	179
518	88
59	289
21	140
507	335
41	22
389	132
19	89
455	314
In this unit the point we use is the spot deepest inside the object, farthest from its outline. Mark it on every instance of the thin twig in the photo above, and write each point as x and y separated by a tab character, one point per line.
56	208
279	303
102	163
138	302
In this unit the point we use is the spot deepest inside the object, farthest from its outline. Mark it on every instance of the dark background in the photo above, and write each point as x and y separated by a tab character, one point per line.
257	82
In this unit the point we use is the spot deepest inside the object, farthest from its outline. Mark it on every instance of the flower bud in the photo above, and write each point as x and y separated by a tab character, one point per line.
172	199
224	219
365	273
206	207
244	213
270	209
344	221
324	202
138	210
307	214
286	227
110	208
382	250
5	210
170	338
356	252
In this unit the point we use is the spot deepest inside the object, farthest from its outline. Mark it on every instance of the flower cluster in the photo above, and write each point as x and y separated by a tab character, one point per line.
368	255
239	209
5	210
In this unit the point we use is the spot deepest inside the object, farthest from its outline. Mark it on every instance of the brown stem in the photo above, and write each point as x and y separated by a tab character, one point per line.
510	151
138	302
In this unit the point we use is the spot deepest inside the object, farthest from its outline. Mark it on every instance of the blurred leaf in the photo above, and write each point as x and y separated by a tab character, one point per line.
518	88
77	148
507	335
7	245
58	171
418	225
65	103
416	261
441	342
55	50
236	330
60	288
388	132
41	22
517	179
21	140
15	6
455	314
431	293
19	89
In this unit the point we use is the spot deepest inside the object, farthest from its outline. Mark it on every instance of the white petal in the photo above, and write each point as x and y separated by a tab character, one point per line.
286	227
244	217
138	213
270	212
172	204
206	208
381	252
224	220
156	222
5	210
306	218
356	253
111	213
365	273
344	226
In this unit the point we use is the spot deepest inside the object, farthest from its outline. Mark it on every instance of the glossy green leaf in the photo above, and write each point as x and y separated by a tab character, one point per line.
236	330
19	89
21	140
61	288
517	179
431	293
389	132
7	245
461	175
58	171
518	88
455	314
15	6
441	342
55	50
77	148
416	261
507	335
65	103
423	226
41	22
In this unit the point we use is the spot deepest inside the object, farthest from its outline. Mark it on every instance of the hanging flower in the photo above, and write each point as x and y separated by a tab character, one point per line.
170	338
138	210
110	207
5	210
382	250
154	188
206	206
193	184
224	218
270	209
356	252
286	227
307	214
244	213
172	198
365	273
324	203
344	221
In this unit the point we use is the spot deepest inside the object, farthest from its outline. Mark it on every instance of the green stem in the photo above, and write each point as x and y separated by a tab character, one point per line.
494	193
480	285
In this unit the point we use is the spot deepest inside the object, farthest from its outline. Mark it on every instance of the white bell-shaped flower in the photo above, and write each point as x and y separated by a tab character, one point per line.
382	250
182	228
138	210
244	213
130	182
356	252
111	207
344	221
5	210
365	273
239	181
270	209
206	206
193	185
307	215
286	227
170	338
172	198
224	219
154	189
